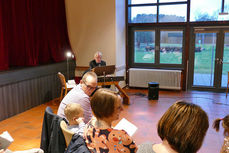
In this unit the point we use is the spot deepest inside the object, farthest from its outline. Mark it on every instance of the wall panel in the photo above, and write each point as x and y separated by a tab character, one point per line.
23	89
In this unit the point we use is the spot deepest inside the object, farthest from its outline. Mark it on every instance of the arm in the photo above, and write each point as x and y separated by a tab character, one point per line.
85	104
91	64
81	126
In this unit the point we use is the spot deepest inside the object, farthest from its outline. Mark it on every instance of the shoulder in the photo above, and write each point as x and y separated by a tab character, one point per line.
92	62
146	147
124	139
103	62
76	95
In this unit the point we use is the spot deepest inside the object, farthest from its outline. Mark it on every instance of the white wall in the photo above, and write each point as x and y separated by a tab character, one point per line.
97	25
120	38
91	27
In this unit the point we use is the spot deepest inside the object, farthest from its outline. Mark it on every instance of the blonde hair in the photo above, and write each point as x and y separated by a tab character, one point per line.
225	124
73	110
184	126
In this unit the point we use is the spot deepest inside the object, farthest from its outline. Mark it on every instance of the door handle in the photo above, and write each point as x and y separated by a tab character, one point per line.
217	60
220	61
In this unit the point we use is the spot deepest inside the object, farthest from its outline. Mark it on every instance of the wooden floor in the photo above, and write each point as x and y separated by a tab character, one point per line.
25	128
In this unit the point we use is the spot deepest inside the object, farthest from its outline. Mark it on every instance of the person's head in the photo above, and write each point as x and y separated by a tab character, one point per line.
106	104
72	112
89	82
225	124
184	126
98	57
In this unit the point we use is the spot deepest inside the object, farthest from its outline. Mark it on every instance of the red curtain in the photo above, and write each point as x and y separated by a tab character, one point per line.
32	32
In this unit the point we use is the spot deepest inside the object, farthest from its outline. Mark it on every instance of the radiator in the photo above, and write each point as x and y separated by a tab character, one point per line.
167	79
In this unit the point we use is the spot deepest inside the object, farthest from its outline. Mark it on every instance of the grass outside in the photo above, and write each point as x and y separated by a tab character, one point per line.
204	60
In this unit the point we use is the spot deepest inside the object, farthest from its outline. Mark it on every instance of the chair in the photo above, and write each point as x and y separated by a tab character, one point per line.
227	83
67	133
64	86
52	137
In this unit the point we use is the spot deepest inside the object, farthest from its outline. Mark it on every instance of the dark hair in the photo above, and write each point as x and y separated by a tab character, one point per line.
184	126
103	102
225	125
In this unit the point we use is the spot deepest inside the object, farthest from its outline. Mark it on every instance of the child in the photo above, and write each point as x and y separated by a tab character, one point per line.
74	115
225	124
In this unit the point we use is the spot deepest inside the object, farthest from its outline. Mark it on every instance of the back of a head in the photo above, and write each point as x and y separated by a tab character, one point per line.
184	126
103	102
225	124
72	110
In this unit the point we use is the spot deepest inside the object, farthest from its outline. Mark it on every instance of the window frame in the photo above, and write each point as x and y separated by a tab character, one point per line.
157	4
157	63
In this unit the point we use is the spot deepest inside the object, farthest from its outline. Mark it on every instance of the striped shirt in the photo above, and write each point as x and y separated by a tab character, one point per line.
76	95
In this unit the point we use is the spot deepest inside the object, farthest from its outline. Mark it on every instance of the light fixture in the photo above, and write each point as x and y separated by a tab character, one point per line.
68	55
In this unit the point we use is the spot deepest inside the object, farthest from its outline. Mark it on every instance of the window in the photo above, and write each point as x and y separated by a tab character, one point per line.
210	12
157	47
156	29
172	0
173	13
144	46
143	14
146	11
171	47
141	1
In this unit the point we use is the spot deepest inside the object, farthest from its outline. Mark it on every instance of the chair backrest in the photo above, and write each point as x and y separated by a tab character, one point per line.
52	138
62	80
67	133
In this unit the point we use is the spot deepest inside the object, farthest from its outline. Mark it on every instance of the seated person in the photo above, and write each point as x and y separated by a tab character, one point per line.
80	95
97	61
99	135
225	125
74	115
182	129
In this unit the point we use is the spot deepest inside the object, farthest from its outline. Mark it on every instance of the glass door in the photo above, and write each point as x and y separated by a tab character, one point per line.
225	60
204	59
209	59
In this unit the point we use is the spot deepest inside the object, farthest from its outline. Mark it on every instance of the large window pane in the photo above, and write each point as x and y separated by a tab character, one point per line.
173	13
204	62
171	43
141	1
226	6
144	47
205	10
225	60
145	14
172	1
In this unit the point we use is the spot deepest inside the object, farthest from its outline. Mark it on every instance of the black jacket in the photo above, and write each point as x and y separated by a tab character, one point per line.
52	138
93	64
77	145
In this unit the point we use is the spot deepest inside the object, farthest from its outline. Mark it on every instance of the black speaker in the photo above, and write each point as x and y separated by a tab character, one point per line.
153	89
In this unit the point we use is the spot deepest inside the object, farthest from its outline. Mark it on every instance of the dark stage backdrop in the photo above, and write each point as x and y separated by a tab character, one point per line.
32	32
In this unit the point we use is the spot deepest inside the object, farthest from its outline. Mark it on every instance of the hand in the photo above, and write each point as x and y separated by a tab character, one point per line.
2	151
79	120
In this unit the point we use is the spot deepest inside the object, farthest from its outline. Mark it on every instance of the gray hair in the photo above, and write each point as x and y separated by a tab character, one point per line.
98	53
